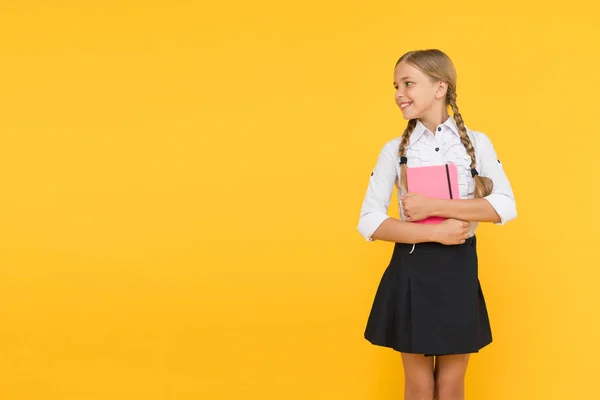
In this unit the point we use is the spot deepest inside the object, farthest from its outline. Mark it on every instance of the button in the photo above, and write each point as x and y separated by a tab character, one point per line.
437	149
439	128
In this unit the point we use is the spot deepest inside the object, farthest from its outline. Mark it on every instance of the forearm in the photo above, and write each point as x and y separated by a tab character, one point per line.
395	230
479	210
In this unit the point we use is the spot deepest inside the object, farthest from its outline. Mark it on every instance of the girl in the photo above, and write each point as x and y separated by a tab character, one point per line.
429	302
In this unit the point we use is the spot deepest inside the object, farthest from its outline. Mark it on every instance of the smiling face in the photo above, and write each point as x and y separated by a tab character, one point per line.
416	94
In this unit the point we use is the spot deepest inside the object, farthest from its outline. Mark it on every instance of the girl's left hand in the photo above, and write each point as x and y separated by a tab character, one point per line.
417	207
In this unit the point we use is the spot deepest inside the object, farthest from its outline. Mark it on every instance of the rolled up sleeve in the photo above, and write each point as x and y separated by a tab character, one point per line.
379	192
502	197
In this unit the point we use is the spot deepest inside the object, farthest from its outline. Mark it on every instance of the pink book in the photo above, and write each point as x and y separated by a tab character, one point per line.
436	181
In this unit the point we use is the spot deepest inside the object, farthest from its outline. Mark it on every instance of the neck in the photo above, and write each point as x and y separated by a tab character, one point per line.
431	122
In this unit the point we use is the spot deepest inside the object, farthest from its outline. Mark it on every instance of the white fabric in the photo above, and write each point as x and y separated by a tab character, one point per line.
427	149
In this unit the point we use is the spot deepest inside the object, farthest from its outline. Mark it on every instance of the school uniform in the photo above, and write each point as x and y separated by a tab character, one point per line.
429	300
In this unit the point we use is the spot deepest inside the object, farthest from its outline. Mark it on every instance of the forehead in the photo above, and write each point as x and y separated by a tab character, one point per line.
405	70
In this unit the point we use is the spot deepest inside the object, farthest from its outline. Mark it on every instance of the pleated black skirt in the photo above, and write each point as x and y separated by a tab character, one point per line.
429	301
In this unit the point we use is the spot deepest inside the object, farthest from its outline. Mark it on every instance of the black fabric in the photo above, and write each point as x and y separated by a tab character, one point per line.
430	301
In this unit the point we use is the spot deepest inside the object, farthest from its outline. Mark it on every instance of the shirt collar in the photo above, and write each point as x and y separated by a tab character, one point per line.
420	129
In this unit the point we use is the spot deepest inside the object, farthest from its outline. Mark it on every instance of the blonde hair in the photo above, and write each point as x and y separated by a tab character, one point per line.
438	67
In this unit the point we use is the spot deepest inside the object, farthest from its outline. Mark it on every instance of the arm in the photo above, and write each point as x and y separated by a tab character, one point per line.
395	230
498	207
480	210
374	222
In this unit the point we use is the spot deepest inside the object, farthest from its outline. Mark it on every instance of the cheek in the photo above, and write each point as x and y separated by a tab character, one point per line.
416	99
423	99
413	94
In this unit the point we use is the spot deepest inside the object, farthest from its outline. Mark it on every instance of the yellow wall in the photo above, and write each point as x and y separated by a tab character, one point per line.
181	185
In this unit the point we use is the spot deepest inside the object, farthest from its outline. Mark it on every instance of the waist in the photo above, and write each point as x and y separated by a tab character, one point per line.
435	245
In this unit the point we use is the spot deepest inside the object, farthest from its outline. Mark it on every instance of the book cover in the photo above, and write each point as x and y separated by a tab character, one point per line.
436	181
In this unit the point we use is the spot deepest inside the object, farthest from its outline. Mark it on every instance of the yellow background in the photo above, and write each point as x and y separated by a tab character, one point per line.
181	184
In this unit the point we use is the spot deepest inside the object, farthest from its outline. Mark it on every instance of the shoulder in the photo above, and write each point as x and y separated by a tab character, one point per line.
392	145
390	148
479	139
388	152
484	149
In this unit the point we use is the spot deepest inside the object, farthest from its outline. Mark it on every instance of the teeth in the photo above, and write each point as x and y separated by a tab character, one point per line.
404	105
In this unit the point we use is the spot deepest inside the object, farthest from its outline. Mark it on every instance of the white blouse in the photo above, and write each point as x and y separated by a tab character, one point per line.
427	149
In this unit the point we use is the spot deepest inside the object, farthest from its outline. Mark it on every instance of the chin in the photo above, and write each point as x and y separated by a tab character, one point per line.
408	115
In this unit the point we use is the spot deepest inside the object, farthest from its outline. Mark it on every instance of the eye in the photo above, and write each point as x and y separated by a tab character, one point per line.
408	83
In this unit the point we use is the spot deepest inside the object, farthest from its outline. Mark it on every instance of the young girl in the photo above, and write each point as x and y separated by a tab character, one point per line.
429	301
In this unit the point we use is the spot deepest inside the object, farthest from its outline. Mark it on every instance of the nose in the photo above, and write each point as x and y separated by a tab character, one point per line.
399	94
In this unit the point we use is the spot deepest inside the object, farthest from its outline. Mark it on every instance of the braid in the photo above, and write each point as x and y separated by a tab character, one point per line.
483	185
402	151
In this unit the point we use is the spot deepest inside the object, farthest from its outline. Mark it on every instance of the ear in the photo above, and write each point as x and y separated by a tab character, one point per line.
441	90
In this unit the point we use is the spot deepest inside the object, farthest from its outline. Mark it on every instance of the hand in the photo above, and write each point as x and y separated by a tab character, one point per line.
452	231
416	206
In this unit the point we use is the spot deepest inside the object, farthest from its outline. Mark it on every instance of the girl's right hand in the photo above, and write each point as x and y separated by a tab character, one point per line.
451	231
